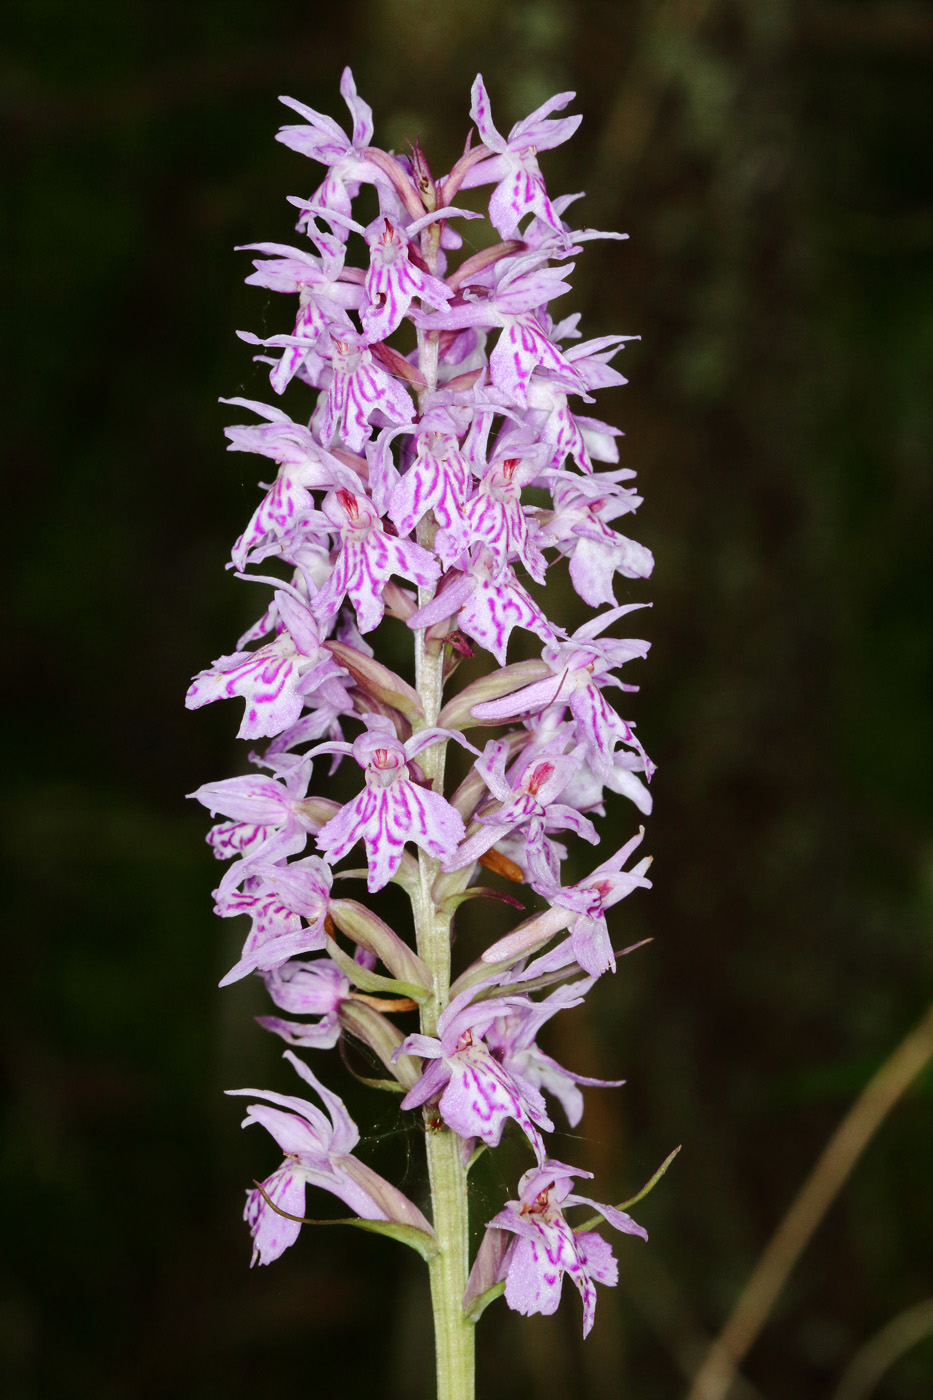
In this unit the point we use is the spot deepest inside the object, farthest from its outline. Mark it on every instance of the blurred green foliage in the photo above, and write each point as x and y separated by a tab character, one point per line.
770	161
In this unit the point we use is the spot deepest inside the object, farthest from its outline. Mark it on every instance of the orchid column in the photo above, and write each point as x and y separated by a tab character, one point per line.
402	495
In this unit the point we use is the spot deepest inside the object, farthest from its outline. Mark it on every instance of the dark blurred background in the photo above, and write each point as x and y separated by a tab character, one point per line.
771	162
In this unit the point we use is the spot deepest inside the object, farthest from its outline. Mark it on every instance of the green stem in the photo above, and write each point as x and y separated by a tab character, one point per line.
454	1334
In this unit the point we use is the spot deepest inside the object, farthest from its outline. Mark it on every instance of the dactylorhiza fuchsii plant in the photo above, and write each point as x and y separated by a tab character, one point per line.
402	496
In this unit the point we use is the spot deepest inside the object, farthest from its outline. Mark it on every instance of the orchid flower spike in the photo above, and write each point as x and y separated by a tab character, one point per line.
444	471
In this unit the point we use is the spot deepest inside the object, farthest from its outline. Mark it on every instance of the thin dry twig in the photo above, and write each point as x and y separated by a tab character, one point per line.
880	1352
814	1199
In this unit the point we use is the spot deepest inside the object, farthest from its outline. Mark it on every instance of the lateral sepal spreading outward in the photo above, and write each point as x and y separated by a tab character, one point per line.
438	487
